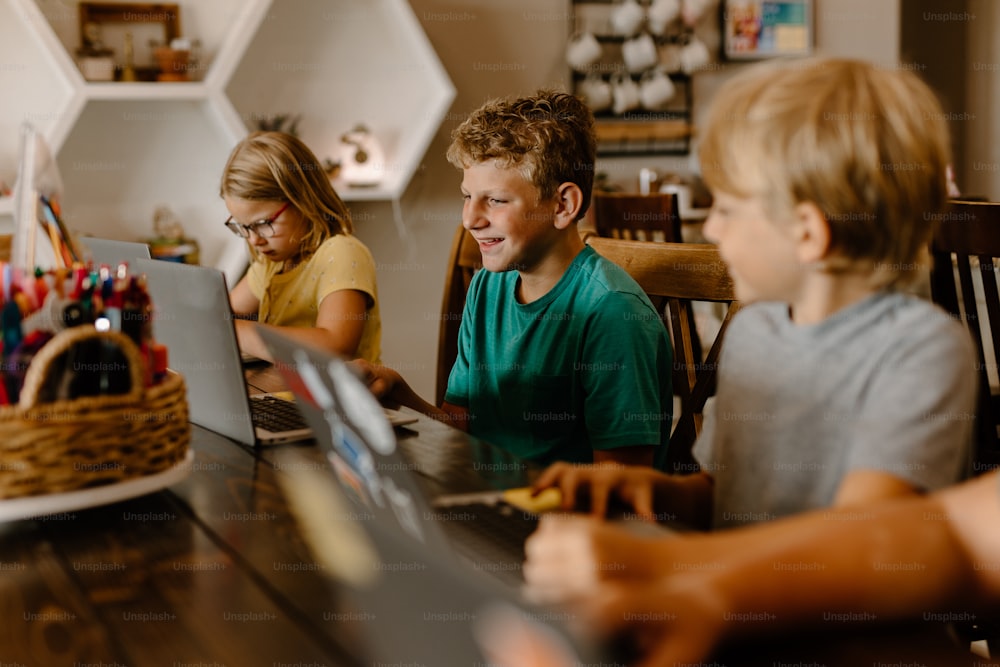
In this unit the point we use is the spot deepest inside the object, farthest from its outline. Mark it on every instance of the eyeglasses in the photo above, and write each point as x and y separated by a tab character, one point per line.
263	229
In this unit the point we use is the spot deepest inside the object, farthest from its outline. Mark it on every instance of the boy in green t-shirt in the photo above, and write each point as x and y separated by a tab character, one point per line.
561	356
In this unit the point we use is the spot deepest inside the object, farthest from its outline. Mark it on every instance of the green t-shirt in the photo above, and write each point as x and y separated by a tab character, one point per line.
587	366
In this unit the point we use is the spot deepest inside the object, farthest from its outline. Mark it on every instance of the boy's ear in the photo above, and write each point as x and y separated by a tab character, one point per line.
812	233
569	200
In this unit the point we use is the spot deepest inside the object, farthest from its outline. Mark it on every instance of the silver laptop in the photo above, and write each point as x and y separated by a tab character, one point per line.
193	318
113	252
372	528
482	529
413	604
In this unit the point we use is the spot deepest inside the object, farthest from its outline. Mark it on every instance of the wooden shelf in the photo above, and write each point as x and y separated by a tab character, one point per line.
639	131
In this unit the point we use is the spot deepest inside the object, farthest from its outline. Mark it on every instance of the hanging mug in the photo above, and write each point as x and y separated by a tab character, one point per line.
692	11
626	18
583	51
694	55
661	13
624	93
639	53
655	90
596	92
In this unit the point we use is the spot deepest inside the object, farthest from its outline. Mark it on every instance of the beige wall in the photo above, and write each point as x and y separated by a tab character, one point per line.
980	174
495	48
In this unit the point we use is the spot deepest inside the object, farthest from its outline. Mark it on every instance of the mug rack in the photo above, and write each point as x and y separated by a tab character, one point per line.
637	131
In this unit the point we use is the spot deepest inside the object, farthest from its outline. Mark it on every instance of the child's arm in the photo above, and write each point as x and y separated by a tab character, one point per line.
898	560
242	300
863	487
390	387
652	494
339	326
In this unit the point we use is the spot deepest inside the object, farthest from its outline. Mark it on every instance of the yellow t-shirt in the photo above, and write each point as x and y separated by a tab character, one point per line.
292	299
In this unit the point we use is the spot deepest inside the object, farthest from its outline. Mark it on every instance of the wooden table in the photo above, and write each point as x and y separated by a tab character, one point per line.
214	571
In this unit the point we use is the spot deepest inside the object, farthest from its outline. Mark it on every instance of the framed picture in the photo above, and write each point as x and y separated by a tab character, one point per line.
104	26
756	29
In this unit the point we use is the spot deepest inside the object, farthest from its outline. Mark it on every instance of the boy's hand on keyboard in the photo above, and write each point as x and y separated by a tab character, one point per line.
603	484
569	556
381	380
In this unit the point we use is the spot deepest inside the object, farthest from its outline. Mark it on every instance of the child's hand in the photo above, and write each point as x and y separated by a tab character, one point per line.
569	556
670	622
381	380
633	485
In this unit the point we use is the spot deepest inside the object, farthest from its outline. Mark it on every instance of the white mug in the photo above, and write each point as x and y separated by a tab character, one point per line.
655	89
583	51
624	93
692	11
639	53
694	55
661	13
596	92
626	18
683	193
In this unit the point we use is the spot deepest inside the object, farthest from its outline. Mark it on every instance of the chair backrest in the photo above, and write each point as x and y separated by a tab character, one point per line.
674	275
965	250
6	241
464	260
652	217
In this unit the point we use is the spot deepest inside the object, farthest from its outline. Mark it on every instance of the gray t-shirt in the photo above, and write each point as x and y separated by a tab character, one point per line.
886	384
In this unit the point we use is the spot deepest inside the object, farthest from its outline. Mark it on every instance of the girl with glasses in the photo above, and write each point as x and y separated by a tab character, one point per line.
309	275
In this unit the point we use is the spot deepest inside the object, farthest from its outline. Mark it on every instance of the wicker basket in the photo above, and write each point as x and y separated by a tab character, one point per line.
94	440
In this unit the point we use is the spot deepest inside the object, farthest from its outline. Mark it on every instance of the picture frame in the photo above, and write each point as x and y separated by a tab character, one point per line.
147	23
759	29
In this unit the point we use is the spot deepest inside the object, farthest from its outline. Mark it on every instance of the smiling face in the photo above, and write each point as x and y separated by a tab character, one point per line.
514	229
289	227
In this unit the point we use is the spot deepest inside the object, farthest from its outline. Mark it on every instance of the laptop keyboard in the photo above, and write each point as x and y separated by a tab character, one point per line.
491	536
275	414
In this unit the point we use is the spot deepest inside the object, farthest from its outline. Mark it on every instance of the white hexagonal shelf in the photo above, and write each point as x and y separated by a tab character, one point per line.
340	63
126	147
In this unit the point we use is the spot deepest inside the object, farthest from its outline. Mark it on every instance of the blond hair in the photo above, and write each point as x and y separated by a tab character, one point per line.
868	146
276	166
548	137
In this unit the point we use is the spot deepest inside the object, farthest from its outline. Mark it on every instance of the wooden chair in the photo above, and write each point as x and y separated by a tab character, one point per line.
674	275
653	217
463	262
6	241
967	245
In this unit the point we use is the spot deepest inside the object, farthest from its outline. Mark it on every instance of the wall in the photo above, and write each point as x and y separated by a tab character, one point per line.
981	171
493	49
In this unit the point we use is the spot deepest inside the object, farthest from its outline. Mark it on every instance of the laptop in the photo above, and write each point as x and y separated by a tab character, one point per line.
486	530
193	318
413	605
112	252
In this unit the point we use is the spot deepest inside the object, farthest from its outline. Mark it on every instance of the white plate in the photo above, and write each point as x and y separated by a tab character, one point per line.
53	503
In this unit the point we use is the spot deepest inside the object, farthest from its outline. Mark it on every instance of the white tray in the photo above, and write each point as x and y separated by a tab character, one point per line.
54	503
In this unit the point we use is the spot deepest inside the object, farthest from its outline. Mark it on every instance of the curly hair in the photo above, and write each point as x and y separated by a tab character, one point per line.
549	137
276	166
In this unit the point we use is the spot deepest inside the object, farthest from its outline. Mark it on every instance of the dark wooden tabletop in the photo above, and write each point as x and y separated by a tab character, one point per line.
214	571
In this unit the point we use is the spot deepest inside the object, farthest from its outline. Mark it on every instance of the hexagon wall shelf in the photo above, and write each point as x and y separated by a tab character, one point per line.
124	148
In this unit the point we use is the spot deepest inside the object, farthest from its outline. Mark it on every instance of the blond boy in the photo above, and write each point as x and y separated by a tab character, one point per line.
835	387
